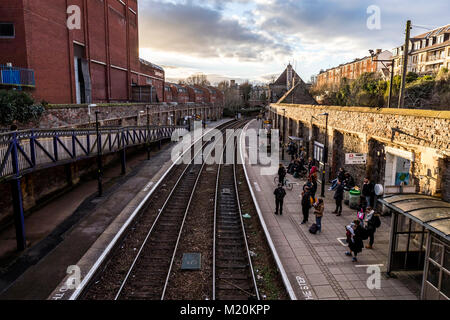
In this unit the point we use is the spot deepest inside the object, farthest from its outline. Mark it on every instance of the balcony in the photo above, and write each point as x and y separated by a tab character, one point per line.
16	77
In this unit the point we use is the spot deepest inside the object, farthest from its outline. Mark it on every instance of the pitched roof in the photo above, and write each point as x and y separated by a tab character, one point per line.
433	33
282	79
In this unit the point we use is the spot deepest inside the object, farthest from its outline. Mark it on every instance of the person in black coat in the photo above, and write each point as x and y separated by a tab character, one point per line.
281	174
349	182
339	197
368	191
279	193
306	204
314	186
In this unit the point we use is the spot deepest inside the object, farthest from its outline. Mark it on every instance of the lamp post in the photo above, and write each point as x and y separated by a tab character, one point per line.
99	156
392	61
325	154
148	132
284	132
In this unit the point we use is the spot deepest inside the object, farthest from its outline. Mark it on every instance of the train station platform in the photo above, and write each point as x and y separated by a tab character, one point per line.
316	265
76	228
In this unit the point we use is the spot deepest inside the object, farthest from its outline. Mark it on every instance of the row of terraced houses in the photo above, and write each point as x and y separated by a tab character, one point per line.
428	53
97	61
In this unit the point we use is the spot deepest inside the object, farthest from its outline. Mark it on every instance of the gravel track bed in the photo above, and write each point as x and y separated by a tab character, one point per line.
109	278
196	238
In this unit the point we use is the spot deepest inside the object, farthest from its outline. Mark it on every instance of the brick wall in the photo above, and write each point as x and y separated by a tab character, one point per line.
424	133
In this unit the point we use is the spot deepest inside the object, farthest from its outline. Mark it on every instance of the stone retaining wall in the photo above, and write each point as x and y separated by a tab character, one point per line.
424	133
57	116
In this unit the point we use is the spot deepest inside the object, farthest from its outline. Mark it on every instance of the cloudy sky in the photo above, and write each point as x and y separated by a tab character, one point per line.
243	39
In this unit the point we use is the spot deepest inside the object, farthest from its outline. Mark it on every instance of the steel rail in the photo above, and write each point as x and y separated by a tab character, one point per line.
241	219
186	213
100	261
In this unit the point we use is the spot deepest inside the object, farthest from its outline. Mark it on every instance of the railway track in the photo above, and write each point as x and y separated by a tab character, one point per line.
147	277
234	277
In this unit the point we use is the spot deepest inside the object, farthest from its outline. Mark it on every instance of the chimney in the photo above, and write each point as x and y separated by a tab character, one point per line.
289	77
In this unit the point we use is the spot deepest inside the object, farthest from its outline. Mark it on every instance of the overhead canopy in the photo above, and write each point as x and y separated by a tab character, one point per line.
430	212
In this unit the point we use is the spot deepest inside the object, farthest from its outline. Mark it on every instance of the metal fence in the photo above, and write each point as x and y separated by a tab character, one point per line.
24	151
13	76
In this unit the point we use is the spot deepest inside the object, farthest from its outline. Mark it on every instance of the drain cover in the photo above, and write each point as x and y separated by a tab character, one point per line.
191	261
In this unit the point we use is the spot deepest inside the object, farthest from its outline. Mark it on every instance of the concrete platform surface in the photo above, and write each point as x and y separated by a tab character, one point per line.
316	265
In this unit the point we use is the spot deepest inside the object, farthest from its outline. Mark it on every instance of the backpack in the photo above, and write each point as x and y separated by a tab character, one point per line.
361	215
376	222
364	234
313	229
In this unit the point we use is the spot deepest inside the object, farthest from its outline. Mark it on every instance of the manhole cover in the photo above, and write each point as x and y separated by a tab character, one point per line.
191	261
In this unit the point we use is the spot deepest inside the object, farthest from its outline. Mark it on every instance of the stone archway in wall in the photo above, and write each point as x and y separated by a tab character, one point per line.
376	161
291	127
445	184
338	157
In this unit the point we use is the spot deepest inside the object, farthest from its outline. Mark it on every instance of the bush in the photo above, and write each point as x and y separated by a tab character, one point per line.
18	106
371	90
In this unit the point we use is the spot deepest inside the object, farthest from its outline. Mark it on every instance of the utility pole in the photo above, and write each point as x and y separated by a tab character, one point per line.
401	98
391	85
372	53
284	132
325	155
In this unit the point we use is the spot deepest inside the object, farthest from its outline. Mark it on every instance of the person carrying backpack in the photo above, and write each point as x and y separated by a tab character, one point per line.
319	208
354	233
279	193
373	222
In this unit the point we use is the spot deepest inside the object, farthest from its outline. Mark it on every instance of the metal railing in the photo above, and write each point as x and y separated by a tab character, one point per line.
13	76
24	151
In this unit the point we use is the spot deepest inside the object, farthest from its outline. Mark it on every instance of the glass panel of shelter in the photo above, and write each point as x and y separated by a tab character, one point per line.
409	244
437	284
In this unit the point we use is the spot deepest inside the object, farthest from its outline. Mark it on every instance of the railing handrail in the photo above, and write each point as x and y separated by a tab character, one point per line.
16	76
82	130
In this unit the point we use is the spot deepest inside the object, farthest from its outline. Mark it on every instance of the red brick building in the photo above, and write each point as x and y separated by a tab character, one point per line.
98	62
352	70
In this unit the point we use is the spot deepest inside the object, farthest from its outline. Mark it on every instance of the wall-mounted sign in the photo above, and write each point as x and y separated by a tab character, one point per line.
355	158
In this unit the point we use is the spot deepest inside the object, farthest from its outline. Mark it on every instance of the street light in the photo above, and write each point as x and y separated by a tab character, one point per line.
99	156
392	61
325	154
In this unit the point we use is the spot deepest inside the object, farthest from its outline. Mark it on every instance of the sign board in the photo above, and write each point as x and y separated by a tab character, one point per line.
355	158
191	261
